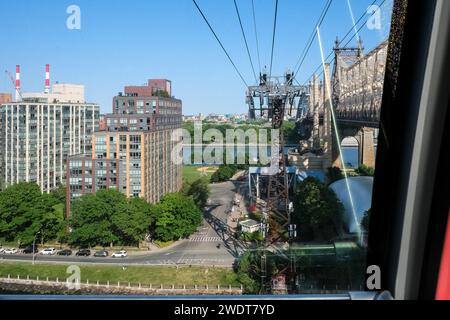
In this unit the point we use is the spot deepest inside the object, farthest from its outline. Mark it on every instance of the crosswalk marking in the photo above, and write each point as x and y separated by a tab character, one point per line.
205	239
201	261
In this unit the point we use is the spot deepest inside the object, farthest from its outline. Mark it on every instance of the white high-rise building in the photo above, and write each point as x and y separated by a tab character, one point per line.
40	132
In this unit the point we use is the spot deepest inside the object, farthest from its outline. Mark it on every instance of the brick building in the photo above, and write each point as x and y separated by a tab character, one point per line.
134	153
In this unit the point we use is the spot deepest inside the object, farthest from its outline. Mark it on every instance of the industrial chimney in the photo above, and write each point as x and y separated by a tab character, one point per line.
47	78
17	82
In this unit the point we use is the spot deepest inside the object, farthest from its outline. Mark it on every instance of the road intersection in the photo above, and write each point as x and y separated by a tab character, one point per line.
212	245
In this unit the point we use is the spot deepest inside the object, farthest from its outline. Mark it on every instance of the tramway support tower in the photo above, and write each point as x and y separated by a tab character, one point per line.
275	99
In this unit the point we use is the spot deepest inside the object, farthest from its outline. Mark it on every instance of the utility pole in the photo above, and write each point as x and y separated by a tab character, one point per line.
34	246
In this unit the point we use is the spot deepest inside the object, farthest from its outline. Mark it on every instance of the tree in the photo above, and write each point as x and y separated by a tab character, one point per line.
109	217
52	225
199	191
334	174
161	93
291	132
224	173
91	219
248	271
316	208
25	211
133	220
364	170
59	194
177	216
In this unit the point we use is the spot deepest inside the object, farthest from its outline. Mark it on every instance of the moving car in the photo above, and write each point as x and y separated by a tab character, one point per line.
65	252
48	251
83	253
30	250
10	251
119	254
101	254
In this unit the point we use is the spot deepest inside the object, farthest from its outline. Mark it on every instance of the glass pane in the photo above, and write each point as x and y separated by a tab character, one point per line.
258	181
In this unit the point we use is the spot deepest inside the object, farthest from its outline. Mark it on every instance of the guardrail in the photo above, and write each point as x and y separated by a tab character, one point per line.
118	287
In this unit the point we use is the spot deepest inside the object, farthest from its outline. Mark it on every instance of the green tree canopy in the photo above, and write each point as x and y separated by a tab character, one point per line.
109	217
248	271
224	173
25	211
316	210
291	132
334	174
199	191
177	216
364	170
59	194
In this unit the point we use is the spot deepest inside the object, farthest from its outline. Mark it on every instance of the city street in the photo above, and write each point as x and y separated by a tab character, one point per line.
211	245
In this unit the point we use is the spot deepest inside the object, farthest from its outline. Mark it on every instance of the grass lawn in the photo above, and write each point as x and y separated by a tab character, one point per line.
145	275
192	173
161	244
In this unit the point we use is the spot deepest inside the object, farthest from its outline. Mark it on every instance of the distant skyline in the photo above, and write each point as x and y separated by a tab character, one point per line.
128	42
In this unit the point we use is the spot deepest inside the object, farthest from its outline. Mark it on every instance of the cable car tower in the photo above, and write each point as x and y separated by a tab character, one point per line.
274	99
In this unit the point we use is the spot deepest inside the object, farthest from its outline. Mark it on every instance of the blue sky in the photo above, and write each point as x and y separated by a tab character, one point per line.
127	42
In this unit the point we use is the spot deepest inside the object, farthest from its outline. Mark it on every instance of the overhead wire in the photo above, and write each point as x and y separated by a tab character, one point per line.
220	43
352	29
273	36
311	38
245	40
256	35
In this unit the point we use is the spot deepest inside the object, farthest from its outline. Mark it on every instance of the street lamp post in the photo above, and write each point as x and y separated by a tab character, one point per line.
34	246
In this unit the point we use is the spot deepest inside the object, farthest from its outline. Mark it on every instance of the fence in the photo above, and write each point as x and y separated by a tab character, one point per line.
117	287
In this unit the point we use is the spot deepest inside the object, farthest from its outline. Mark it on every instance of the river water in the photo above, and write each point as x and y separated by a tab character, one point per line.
350	154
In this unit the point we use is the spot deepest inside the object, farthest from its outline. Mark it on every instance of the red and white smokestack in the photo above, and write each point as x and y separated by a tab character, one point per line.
17	82
47	78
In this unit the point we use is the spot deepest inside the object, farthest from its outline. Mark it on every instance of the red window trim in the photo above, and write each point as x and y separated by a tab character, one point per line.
443	288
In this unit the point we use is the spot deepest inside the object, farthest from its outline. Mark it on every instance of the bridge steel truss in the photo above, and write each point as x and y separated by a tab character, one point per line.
357	84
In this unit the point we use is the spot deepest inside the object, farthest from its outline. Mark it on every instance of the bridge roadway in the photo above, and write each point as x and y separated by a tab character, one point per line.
200	249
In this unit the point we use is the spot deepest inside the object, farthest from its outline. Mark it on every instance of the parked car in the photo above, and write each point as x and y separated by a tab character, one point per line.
48	251
30	250
10	251
65	252
2	250
101	254
83	253
119	254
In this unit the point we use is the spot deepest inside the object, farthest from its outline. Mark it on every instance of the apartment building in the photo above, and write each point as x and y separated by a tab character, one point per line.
135	154
41	130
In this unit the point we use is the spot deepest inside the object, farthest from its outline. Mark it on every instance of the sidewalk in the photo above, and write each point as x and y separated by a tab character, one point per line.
237	175
155	249
238	211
